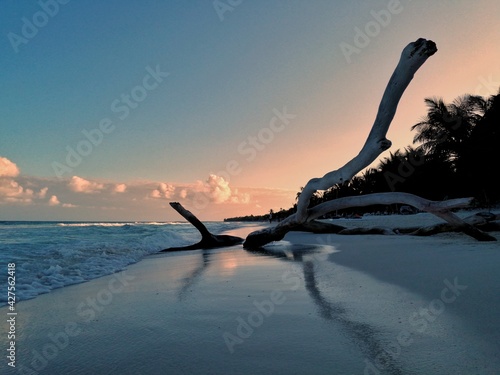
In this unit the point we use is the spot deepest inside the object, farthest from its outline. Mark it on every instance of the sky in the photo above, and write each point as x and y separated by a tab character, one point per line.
111	109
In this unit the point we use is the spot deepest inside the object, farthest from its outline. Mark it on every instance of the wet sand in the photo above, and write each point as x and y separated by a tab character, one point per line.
311	304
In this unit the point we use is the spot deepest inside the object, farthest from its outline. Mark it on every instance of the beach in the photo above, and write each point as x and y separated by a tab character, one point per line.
310	304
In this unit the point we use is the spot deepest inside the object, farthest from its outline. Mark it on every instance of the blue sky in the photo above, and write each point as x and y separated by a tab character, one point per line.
194	87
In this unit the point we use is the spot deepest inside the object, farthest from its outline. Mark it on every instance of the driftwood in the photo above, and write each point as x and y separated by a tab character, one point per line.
412	58
208	240
438	208
475	225
480	223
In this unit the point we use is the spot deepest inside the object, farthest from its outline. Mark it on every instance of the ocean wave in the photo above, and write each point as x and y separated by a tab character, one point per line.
119	224
52	256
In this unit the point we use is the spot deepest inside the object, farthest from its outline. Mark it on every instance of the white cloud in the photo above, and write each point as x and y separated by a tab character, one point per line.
163	191
53	201
10	189
8	168
42	193
217	189
80	185
242	198
183	193
213	190
54	194
120	188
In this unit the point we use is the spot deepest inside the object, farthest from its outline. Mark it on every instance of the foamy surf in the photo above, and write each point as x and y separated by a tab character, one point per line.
50	255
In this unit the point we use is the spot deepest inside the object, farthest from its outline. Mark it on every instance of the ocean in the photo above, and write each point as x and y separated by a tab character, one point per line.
50	255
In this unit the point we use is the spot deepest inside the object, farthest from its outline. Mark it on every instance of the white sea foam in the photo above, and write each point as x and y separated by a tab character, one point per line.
119	224
53	255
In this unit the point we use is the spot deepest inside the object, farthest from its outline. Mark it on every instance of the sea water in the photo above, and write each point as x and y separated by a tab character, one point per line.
49	255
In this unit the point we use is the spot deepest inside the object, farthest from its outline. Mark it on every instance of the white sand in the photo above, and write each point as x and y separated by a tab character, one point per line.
313	304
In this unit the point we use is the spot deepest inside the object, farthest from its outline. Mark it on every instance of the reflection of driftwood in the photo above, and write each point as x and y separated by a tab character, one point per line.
208	240
319	227
194	277
364	334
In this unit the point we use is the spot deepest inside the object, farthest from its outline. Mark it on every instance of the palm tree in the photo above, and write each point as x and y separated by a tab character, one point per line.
298	194
443	132
481	158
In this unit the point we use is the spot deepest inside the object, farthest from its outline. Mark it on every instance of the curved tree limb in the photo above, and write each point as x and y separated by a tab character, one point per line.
208	240
412	58
470	225
438	208
484	221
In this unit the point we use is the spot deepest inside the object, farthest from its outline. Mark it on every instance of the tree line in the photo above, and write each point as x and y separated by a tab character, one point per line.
453	155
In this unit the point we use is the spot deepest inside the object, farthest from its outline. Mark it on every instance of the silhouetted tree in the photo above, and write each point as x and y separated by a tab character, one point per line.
444	131
480	160
455	155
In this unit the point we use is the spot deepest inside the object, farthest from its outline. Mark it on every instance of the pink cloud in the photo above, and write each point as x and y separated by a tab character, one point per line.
120	188
53	201
10	190
163	191
80	185
42	193
215	189
8	168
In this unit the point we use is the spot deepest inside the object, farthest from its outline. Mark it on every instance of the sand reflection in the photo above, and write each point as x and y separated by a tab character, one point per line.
363	334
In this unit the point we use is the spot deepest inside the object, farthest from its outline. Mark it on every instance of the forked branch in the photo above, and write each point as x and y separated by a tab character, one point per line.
412	58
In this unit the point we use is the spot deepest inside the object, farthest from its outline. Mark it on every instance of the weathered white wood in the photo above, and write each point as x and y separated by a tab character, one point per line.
412	58
434	207
438	208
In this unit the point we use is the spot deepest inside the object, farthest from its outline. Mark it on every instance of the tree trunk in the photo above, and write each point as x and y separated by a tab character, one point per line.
412	58
440	209
208	240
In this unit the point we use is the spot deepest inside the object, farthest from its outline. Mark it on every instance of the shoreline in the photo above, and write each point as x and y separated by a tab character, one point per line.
311	304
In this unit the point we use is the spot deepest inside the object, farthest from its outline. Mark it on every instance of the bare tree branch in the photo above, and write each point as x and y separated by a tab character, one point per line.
438	208
208	240
412	58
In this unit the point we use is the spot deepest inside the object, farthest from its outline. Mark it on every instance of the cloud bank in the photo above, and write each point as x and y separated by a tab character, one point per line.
10	190
213	190
80	185
79	198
